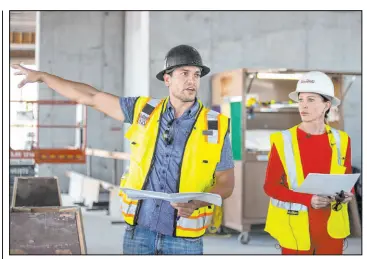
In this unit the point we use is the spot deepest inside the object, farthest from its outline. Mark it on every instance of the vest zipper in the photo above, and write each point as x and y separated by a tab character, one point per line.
179	170
150	168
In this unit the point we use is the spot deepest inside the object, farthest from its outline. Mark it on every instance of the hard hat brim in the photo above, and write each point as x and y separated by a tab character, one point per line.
334	101
204	71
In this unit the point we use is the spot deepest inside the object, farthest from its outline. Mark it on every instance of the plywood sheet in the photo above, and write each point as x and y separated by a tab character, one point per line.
56	230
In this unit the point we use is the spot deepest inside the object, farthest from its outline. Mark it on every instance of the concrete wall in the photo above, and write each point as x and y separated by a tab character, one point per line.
91	47
231	40
86	47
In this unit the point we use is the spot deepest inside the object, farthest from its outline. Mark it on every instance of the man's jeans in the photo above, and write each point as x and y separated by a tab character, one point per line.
140	240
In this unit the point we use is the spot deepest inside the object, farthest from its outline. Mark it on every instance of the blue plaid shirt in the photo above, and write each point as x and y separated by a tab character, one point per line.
158	215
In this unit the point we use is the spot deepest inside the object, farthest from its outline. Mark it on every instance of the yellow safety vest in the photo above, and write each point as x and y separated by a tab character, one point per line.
288	222
202	153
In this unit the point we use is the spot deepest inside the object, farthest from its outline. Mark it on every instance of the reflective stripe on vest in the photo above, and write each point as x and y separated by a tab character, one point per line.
212	119
147	111
288	205
336	136
292	173
289	158
197	223
128	208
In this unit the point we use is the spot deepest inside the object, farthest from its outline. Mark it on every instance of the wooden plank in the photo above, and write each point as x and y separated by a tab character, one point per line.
43	209
22	37
82	243
29	54
107	154
36	192
46	230
14	192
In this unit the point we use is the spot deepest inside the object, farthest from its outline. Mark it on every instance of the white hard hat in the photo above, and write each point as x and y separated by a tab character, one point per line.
316	82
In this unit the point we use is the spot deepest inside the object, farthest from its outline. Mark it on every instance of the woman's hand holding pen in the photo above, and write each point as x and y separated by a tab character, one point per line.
318	202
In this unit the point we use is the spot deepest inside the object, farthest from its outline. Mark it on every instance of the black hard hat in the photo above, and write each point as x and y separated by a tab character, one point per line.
183	55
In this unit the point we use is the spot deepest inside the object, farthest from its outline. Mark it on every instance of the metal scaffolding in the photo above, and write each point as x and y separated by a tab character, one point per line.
65	155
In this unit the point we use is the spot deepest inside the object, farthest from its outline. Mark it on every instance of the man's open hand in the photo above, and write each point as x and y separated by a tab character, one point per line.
31	76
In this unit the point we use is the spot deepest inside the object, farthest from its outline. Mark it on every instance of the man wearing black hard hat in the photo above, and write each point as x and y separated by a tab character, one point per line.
177	146
182	55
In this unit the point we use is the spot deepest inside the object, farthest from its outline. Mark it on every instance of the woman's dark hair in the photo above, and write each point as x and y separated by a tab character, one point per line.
325	99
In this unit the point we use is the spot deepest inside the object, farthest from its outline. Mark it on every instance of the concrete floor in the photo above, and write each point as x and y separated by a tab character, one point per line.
102	237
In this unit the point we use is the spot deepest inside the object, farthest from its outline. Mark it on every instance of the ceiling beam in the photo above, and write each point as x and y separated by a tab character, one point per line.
22	54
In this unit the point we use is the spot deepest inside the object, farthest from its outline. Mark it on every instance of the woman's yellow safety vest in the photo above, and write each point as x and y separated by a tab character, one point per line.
288	222
202	153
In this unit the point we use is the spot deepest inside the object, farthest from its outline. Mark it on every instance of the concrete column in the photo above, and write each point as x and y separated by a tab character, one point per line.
136	62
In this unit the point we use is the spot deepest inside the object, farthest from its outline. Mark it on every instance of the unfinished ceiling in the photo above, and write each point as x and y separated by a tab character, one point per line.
22	35
21	21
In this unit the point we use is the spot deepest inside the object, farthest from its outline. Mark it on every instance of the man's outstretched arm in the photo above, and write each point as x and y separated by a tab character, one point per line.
78	92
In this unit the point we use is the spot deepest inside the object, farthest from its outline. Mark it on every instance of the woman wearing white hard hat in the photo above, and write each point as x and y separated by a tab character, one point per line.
305	223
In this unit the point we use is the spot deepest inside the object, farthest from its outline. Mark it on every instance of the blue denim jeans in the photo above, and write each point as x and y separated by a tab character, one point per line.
140	240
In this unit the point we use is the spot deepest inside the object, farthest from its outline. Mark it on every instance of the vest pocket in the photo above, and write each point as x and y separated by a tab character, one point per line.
197	222
208	160
338	223
137	142
291	231
207	168
193	223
